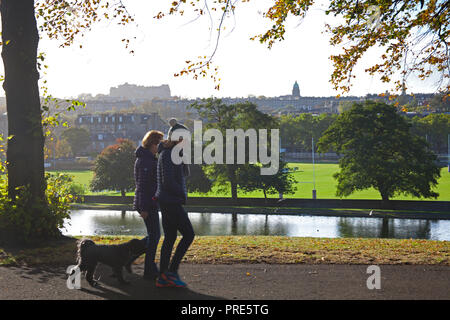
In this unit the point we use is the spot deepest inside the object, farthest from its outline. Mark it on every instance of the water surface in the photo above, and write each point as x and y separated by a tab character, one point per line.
106	222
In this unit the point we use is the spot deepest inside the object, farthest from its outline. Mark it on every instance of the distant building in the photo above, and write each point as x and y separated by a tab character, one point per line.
296	90
105	129
131	91
107	104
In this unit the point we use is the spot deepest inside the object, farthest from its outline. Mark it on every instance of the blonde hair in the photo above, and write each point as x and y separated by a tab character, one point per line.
152	137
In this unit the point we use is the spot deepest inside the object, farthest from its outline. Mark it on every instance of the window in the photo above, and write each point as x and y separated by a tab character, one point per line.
80	120
100	137
120	119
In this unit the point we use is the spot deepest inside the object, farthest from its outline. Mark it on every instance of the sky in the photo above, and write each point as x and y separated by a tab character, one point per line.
162	46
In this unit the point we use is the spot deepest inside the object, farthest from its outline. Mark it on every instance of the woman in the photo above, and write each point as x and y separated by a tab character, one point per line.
145	177
171	195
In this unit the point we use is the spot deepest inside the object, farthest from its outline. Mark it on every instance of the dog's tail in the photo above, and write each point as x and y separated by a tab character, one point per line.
82	252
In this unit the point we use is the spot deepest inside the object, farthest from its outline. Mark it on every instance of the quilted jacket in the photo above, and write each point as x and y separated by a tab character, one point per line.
145	177
171	181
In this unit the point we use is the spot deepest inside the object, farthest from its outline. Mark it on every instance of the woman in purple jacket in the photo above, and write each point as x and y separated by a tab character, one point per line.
146	183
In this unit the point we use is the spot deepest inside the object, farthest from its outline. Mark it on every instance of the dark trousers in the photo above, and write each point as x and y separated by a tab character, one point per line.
152	239
174	218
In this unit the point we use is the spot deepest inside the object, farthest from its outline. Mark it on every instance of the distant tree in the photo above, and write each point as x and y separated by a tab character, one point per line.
198	180
50	146
63	149
344	105
435	127
221	116
297	131
440	102
250	179
114	168
379	151
78	139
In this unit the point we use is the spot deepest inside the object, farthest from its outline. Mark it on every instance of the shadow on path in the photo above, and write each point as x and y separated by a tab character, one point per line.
138	289
53	281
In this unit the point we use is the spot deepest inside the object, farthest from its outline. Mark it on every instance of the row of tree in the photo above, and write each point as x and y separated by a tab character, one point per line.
376	143
296	132
225	177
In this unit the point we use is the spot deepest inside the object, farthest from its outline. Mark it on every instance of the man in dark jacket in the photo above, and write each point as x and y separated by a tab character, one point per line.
171	194
145	170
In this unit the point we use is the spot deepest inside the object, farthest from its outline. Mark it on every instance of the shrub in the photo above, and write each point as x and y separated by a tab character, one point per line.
25	219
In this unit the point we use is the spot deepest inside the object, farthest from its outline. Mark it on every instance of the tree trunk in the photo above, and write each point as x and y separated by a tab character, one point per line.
231	172
234	191
25	155
385	200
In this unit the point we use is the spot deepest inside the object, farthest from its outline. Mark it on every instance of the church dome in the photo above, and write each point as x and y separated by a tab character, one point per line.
296	90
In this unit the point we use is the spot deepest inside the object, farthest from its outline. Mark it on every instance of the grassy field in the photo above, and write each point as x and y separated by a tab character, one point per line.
259	249
325	184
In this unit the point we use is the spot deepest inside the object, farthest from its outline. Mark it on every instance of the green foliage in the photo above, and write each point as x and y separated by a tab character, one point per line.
114	168
78	139
77	189
26	219
197	180
221	116
250	179
435	127
379	151
296	131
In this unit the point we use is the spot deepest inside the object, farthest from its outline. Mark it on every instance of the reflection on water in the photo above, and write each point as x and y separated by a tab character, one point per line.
96	222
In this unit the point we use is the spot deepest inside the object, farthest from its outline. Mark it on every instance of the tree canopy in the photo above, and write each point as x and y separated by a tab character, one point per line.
78	139
379	151
221	116
413	35
114	168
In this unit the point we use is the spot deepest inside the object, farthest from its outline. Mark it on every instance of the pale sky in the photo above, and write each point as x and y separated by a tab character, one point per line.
246	67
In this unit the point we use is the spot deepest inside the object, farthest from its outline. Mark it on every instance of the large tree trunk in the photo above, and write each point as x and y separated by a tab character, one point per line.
25	154
231	172
385	200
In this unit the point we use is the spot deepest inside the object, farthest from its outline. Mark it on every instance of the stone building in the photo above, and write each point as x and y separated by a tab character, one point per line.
131	91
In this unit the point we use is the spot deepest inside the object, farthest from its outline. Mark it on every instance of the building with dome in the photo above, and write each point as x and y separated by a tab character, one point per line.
296	90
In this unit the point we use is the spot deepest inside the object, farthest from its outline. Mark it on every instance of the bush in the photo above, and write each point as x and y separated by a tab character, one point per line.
77	189
25	219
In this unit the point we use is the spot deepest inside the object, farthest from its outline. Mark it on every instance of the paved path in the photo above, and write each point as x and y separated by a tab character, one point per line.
239	281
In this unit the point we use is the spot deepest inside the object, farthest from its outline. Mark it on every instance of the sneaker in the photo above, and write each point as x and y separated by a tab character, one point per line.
170	279
163	282
175	279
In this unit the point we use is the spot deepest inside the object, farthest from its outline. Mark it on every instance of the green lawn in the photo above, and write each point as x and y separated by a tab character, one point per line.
325	184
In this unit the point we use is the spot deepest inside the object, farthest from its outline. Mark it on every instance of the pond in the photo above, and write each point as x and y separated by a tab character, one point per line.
105	222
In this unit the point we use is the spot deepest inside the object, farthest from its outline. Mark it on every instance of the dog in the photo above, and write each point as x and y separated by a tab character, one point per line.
89	254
